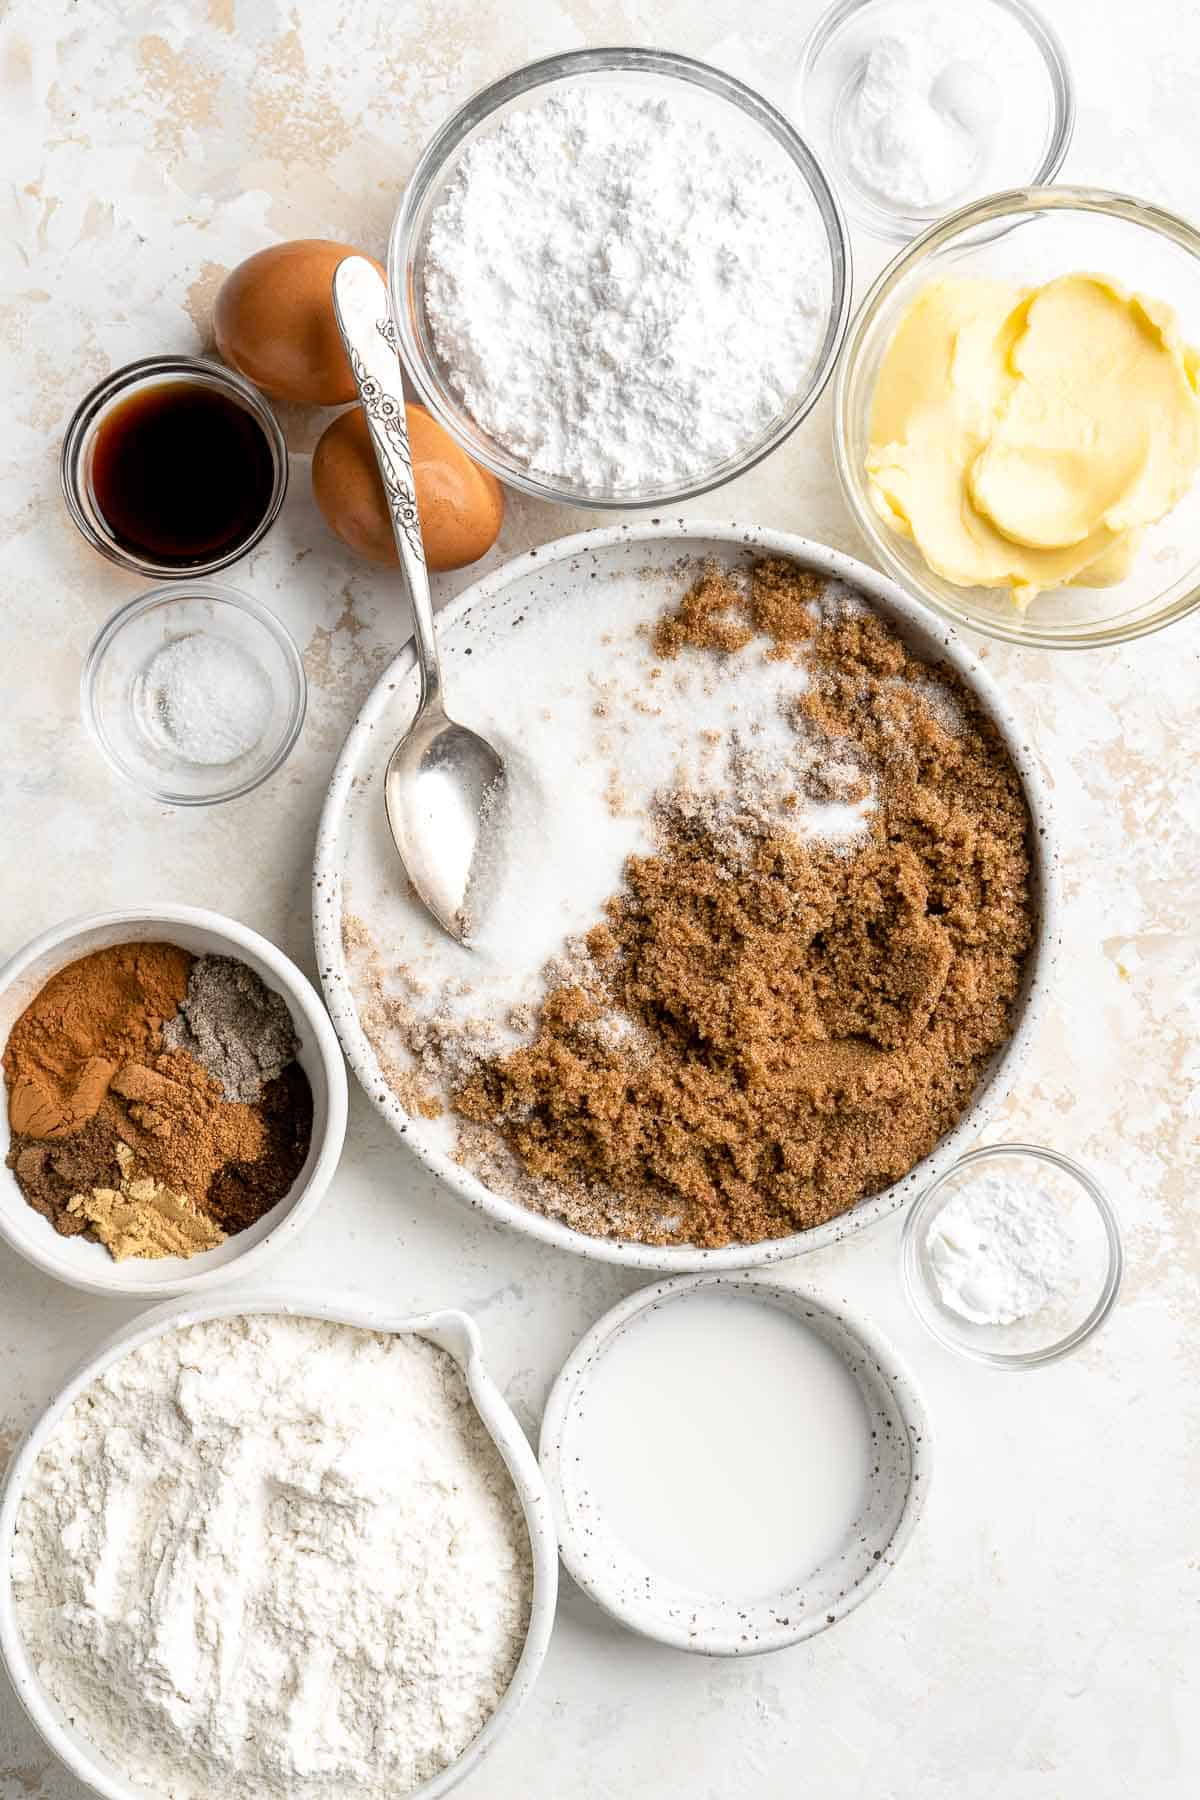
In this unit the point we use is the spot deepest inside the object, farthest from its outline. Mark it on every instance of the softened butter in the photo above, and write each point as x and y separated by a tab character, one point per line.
1025	437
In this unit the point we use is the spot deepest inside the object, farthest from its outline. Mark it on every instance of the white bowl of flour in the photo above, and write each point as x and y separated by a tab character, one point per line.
620	277
276	1544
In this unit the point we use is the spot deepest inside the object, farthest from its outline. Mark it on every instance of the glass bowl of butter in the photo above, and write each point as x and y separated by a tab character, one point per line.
1017	417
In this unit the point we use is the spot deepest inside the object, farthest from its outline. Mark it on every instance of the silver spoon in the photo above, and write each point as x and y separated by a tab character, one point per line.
444	785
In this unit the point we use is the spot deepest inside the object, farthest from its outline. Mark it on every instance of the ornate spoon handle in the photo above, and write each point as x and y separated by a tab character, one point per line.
363	312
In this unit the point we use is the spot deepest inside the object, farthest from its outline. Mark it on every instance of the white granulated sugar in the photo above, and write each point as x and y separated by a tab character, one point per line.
999	1250
625	290
274	1556
205	699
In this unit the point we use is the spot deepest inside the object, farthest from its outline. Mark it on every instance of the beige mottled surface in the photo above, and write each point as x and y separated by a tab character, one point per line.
1039	1642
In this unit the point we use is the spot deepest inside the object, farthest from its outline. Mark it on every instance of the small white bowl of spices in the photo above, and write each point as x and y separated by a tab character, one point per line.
1013	1256
377	1539
620	277
174	1101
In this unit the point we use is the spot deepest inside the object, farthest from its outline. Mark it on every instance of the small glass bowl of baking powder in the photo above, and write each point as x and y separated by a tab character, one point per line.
916	109
195	693
1013	1256
617	469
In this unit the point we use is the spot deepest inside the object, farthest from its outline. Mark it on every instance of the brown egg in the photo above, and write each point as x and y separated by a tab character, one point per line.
461	506
274	322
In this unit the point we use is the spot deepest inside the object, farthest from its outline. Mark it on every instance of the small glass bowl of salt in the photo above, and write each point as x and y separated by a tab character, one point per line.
1013	1256
194	692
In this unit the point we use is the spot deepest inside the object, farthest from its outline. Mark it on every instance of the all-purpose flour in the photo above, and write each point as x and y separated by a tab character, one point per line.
625	290
274	1556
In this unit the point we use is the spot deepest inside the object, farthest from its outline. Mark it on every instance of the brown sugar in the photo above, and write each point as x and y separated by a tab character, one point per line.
711	616
808	1020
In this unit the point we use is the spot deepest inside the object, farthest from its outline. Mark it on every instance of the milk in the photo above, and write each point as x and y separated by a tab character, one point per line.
725	1444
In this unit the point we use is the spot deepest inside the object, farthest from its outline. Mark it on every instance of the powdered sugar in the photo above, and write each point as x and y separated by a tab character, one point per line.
624	289
274	1556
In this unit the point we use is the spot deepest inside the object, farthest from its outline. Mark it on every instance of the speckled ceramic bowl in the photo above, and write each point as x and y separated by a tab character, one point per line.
454	1332
612	1574
560	576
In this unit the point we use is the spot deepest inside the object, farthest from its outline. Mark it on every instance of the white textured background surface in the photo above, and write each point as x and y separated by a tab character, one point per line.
1040	1639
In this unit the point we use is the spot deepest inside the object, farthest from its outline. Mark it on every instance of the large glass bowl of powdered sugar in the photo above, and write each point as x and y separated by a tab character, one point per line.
620	278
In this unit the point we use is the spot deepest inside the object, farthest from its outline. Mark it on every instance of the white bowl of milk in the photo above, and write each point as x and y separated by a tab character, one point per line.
735	1465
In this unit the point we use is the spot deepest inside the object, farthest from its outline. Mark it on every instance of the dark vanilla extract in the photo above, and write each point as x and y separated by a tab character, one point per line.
181	473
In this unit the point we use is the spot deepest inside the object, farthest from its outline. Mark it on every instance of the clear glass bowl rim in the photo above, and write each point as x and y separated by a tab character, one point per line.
917	1291
173	593
431	167
125	379
1053	53
993	209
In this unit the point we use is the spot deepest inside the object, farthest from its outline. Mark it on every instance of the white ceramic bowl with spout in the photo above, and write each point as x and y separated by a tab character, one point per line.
454	1332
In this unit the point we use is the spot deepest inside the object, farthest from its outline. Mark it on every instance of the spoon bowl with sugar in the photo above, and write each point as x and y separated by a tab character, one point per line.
445	785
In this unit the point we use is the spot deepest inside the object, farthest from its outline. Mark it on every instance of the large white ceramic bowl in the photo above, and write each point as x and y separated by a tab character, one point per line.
560	576
453	1332
88	1265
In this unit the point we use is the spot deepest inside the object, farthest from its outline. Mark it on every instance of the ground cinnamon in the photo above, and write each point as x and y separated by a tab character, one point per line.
89	1019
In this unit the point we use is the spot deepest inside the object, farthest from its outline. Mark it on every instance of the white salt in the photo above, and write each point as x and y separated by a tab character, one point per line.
205	699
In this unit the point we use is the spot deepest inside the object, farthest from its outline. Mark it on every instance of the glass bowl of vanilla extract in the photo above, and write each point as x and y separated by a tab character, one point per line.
174	466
